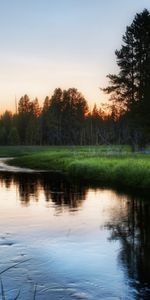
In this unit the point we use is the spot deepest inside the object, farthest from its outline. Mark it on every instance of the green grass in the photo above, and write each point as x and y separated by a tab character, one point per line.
15	151
107	165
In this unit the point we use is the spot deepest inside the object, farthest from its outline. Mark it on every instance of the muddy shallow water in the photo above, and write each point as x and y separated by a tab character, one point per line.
82	243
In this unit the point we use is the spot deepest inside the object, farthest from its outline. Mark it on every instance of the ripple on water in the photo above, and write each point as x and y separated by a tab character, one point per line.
6	242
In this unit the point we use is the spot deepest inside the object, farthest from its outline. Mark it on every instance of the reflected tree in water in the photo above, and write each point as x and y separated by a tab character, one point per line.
55	189
132	229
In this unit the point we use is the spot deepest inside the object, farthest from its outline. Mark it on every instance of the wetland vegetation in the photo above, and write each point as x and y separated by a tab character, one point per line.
103	165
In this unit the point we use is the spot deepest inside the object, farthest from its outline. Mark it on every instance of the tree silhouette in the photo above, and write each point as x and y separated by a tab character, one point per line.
131	86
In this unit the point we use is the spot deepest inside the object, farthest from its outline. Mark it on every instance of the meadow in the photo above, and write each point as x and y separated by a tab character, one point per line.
102	165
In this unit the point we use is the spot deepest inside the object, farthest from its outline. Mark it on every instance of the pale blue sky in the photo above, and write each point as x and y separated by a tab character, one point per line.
46	44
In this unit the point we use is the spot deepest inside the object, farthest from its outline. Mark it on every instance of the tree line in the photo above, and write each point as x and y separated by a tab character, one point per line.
65	119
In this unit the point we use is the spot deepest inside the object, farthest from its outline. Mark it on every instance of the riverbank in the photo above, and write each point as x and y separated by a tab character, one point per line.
111	166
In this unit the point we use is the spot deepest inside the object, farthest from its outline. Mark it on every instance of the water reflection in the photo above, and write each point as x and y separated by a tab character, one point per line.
132	229
80	244
55	187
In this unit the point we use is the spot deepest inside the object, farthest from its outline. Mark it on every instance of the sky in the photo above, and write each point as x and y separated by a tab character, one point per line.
45	44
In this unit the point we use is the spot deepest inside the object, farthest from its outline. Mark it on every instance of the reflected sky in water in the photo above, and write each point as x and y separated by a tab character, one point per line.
82	243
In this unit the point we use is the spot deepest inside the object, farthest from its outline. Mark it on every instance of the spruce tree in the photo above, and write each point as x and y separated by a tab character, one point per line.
131	86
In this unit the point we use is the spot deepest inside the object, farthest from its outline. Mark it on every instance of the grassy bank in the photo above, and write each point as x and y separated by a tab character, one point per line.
15	151
101	165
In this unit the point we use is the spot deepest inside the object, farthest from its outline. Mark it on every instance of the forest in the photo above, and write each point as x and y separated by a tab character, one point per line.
65	119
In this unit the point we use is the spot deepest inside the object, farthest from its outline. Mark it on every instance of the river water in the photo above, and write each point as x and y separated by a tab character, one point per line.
73	242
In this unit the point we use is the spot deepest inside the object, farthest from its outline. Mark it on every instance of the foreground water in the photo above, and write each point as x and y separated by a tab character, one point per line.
82	243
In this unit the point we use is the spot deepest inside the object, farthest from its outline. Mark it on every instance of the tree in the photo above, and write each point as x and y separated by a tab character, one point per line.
63	117
73	113
24	105
3	136
28	120
13	138
5	127
55	115
131	86
35	108
44	121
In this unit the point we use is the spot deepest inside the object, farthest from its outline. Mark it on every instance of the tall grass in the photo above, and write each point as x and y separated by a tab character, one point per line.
102	165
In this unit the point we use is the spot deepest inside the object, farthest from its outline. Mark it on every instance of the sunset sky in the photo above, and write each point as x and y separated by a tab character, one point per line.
60	43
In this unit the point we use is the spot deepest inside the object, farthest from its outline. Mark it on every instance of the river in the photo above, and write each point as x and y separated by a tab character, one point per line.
73	242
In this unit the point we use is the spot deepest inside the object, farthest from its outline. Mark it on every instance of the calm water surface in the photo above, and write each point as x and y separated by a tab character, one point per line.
82	243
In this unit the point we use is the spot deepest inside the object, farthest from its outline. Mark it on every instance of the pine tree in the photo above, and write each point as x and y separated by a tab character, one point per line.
131	86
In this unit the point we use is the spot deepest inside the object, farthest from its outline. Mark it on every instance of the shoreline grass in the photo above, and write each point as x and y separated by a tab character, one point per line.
103	165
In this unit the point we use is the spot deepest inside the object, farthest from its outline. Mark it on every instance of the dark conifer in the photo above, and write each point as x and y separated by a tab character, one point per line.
131	86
